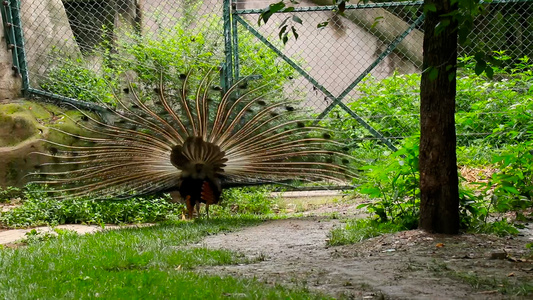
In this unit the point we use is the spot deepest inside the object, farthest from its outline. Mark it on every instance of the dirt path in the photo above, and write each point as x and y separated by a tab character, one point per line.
406	265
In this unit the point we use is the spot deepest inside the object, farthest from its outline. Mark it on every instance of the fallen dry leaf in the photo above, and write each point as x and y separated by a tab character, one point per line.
439	245
498	255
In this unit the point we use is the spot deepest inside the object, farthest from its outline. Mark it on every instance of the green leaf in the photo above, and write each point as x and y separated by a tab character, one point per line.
288	9
489	71
294	32
362	205
282	31
284	22
441	26
433	73
430	7
297	19
480	67
376	22
322	25
371	191
275	7
511	189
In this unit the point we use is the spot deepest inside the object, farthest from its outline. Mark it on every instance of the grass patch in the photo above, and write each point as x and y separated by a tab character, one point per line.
357	230
504	286
132	263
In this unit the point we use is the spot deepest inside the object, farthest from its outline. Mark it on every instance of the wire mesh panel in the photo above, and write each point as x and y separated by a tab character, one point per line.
345	61
78	49
362	68
367	43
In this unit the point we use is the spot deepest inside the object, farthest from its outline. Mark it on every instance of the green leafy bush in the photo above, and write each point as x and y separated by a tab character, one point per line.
513	183
167	53
8	193
39	209
247	200
393	183
74	79
486	109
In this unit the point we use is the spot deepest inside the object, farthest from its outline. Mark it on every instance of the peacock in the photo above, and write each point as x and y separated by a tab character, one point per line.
194	138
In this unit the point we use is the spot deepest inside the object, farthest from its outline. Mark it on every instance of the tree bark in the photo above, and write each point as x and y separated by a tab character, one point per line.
439	192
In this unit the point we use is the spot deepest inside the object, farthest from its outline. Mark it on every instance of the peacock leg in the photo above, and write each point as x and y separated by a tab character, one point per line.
190	206
197	209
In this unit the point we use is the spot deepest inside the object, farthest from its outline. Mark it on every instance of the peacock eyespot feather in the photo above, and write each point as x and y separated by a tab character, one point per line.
261	102
345	161
53	150
274	114
216	88
289	108
327	136
182	76
84	118
300	124
126	90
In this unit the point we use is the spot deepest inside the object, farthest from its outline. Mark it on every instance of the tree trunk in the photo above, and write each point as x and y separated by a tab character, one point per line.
439	192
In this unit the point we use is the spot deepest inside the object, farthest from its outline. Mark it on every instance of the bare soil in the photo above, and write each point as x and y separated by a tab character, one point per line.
405	265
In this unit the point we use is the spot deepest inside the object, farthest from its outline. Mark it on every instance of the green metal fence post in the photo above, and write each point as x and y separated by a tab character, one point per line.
228	72
19	45
9	33
235	42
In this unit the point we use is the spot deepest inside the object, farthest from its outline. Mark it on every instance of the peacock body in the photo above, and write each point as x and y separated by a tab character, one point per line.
194	139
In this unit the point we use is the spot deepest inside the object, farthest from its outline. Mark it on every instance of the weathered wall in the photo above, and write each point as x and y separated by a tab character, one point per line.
23	124
9	83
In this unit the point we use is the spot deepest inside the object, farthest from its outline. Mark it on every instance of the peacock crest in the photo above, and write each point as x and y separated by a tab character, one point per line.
194	139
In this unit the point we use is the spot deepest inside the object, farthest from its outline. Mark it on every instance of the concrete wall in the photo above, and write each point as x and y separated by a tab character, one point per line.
46	30
337	54
9	83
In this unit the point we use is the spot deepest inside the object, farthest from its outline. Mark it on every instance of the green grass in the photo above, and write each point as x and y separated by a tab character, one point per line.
505	286
136	263
357	230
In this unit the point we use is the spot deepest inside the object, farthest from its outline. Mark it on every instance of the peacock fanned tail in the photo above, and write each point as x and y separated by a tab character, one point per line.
161	140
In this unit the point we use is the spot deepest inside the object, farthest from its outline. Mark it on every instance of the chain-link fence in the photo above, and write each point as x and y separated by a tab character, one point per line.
361	70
